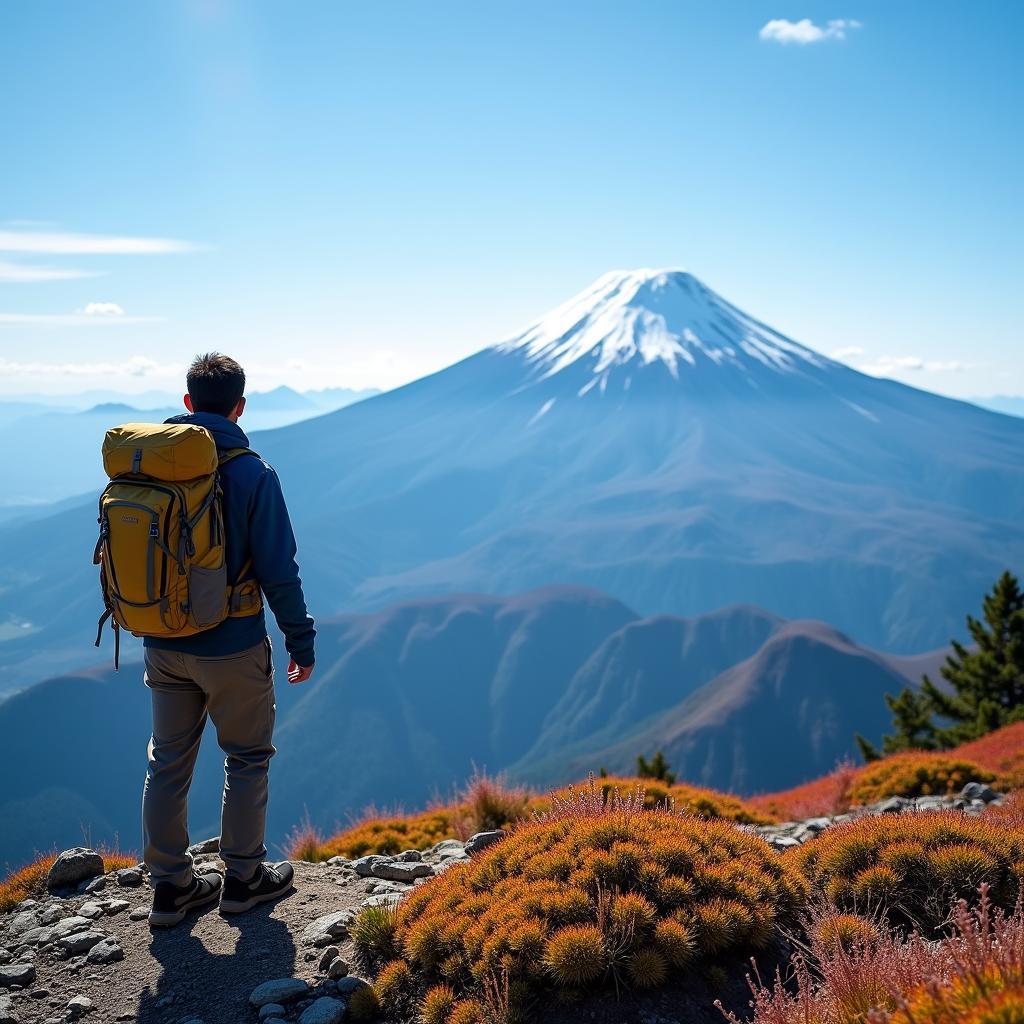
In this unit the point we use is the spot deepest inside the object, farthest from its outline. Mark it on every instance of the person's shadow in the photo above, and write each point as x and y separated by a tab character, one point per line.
211	978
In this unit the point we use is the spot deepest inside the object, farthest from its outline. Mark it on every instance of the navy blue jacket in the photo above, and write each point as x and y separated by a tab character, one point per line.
256	526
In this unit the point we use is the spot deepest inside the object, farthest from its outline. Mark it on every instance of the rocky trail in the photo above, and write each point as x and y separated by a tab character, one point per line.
85	951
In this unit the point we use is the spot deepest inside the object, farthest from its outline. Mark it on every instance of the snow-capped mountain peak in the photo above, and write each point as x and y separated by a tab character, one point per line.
650	317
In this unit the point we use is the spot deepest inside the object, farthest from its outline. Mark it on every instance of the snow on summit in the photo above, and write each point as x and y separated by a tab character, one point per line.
647	317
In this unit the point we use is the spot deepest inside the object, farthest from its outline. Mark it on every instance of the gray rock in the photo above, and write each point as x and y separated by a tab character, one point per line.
978	791
481	840
106	952
130	878
112	907
70	925
50	915
73	866
7	1011
23	922
339	862
346	986
379	885
783	842
17	974
6	956
79	942
337	969
399	871
280	990
271	1010
894	805
206	846
98	884
385	899
330	955
409	856
325	1010
448	846
139	914
325	930
78	1006
817	824
90	910
41	936
364	866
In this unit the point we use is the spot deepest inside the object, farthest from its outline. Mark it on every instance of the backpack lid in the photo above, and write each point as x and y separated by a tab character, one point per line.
163	451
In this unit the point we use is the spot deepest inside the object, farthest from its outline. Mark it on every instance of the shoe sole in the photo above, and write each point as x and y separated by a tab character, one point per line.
241	906
169	918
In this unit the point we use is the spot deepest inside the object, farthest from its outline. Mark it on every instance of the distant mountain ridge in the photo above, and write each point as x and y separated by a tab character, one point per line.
549	685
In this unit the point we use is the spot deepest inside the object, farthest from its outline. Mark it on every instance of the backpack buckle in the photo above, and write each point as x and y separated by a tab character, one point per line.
153	531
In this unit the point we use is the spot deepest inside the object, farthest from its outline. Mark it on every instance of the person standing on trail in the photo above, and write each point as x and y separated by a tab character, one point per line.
225	672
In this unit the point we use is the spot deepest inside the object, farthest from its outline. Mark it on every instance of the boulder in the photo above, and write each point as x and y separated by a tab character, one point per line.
72	867
481	840
280	990
325	1010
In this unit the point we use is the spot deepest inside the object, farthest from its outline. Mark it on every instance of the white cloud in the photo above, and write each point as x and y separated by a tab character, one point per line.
885	365
805	31
65	243
102	309
848	353
19	273
136	366
78	319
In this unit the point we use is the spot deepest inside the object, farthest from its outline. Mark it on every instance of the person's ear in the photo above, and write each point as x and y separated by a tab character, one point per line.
240	408
188	402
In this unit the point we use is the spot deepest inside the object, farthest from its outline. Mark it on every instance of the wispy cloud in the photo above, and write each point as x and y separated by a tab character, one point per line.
24	273
805	31
81	318
136	366
102	309
850	352
69	244
885	365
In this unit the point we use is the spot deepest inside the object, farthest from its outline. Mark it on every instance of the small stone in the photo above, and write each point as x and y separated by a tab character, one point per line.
280	990
98	884
271	1010
448	846
115	907
481	840
39	993
106	952
139	914
17	974
399	871
339	862
346	986
69	925
409	856
894	805
978	791
783	842
50	915
73	866
165	1000
385	899
325	1010
337	969
330	955
79	942
7	1011
78	1006
324	930
364	866
206	846
40	936
130	878
90	910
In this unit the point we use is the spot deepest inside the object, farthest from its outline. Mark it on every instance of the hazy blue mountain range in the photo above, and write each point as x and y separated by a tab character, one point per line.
71	434
550	684
648	439
1012	405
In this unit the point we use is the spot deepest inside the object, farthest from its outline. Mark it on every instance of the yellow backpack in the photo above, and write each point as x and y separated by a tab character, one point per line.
161	543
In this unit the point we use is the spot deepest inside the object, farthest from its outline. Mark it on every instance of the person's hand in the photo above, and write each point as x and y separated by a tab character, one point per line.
298	673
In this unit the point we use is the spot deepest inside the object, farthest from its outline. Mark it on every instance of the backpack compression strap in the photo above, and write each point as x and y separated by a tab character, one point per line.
240	596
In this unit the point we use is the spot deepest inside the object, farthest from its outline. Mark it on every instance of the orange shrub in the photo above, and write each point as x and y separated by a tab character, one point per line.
1001	752
913	775
377	835
913	866
30	880
597	890
825	796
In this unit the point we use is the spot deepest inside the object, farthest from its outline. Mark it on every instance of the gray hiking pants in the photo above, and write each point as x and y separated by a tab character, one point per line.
237	692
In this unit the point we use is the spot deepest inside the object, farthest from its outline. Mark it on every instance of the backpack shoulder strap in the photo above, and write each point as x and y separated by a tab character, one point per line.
232	453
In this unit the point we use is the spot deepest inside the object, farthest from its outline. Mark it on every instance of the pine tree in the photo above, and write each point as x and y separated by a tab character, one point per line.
987	682
656	768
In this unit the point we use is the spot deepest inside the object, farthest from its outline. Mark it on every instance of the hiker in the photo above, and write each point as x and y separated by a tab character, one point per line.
225	671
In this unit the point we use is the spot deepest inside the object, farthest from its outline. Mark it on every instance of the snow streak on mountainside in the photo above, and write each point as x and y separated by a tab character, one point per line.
632	319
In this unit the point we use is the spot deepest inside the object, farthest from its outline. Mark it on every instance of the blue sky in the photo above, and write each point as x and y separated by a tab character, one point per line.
355	194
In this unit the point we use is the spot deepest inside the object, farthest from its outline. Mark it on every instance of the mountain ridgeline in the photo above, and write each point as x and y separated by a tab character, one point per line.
547	685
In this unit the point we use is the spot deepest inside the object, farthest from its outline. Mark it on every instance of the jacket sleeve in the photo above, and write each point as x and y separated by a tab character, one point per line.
272	545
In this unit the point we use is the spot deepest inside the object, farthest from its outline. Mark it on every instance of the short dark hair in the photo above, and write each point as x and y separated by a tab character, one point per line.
216	383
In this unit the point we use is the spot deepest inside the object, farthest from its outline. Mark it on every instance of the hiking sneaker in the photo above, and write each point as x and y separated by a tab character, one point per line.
172	902
269	882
